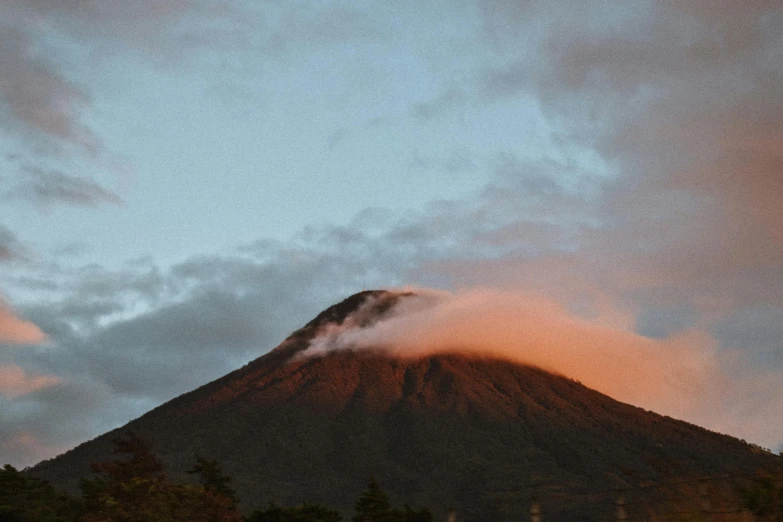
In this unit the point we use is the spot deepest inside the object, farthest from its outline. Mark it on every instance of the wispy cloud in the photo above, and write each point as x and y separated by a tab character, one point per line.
50	187
10	247
14	330
15	382
38	101
25	447
44	107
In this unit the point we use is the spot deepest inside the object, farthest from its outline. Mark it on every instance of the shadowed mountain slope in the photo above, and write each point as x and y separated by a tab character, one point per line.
479	435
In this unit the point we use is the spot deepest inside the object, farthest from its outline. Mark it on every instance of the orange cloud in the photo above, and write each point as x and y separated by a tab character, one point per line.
15	382
14	330
684	376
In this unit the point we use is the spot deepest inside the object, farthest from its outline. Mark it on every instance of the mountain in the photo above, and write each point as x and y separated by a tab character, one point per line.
479	435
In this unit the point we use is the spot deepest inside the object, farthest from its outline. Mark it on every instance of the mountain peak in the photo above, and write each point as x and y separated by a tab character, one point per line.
363	308
445	430
377	302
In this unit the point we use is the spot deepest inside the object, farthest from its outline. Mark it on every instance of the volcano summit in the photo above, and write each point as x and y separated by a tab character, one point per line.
477	434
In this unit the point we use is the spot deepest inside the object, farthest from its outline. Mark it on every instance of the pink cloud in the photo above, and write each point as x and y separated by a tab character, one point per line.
26	448
35	94
15	382
14	330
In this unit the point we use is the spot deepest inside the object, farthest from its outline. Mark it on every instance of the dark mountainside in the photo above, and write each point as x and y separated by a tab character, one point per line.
447	431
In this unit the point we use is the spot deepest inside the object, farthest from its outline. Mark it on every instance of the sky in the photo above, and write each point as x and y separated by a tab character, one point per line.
184	183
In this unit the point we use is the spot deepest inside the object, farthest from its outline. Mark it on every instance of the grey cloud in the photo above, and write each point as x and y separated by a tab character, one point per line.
82	298
93	282
75	249
44	109
214	314
456	161
37	94
47	422
684	101
146	26
506	80
531	178
444	103
178	347
86	313
213	311
758	330
212	319
314	26
49	187
10	247
661	322
36	97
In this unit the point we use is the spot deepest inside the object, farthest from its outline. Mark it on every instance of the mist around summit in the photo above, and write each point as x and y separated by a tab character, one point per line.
683	375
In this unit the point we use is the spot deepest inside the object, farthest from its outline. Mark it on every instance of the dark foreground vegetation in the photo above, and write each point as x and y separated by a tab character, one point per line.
135	488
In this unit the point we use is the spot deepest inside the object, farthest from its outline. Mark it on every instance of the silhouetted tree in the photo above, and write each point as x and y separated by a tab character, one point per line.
372	505
139	461
764	498
135	489
213	479
27	499
422	515
303	513
272	514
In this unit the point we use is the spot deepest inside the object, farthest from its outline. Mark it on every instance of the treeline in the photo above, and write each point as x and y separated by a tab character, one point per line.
135	488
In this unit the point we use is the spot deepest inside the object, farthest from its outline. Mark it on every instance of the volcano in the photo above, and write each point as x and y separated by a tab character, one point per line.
478	435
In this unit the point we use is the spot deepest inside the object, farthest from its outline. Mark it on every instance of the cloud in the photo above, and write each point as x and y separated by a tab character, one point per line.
682	375
538	331
174	348
14	330
457	161
684	100
25	448
46	422
134	330
10	247
128	339
146	26
444	103
681	104
14	382
36	94
36	99
45	103
47	187
316	26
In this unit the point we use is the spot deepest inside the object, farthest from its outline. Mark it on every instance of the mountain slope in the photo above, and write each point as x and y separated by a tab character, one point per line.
479	435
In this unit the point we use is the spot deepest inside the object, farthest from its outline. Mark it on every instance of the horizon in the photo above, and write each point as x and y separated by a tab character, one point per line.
185	184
